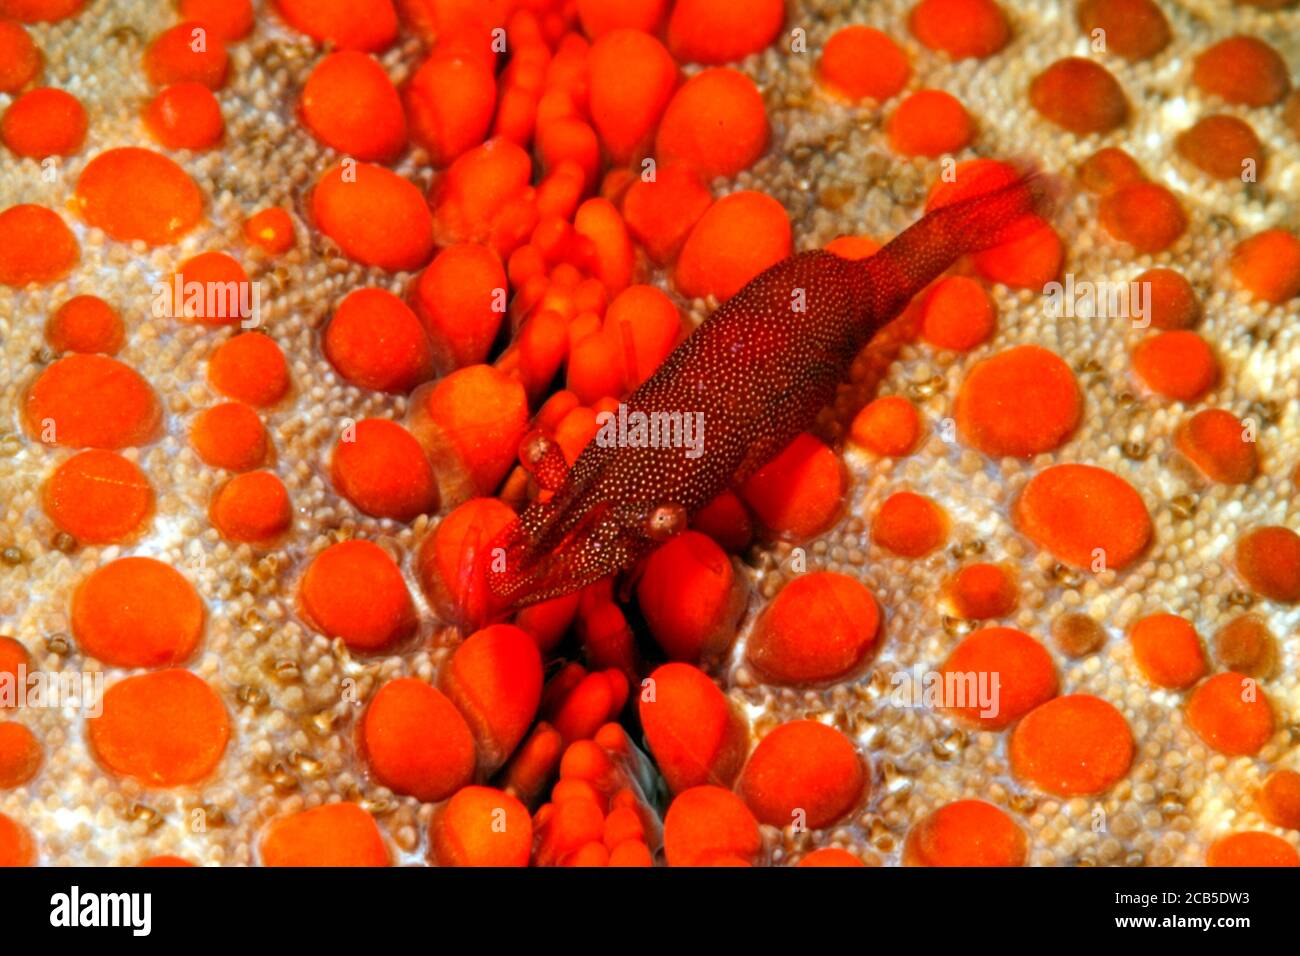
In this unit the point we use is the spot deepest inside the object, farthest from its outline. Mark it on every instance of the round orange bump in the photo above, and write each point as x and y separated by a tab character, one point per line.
13	656
1028	262
471	423
271	230
252	508
820	626
1085	516
133	193
375	341
709	826
737	238
1080	96
369	25
480	826
16	845
35	246
20	60
1246	645
1268	559
1231	714
1177	365
722	31
598	17
164	729
909	525
929	123
800	492
229	19
715	123
1251	848
803	773
376	217
1135	29
1012	665
726	521
416	742
888	427
1242	69
479	197
350	105
966	833
98	497
91	401
495	679
185	116
44	122
1107	169
694	733
20	755
336	834
960	28
1224	147
353	590
452	560
1168	650
597	698
853	247
36	11
660	212
230	436
188	52
137	612
85	323
690	597
566	143
1145	215
382	470
165	861
612	262
1267	265
632	79
859	63
1279	799
1018	403
250	368
1220	445
1174	303
213	288
957	314
449	104
461	299
1072	746
979	592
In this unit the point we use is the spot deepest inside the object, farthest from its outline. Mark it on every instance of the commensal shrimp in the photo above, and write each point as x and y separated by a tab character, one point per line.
753	376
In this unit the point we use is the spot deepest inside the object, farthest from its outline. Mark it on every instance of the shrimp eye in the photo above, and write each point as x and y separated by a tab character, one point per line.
534	449
665	521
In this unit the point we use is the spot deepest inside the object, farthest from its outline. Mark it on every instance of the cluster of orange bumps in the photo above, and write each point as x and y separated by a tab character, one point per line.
571	150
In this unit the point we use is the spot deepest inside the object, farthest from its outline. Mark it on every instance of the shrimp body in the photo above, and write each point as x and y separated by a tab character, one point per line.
749	379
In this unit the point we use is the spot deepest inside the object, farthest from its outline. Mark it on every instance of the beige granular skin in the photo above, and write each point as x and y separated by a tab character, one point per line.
293	708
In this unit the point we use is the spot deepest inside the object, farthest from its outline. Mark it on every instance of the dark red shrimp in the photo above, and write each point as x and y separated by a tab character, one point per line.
746	382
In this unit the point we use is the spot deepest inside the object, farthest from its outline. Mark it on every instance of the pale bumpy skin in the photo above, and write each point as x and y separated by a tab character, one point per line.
829	164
